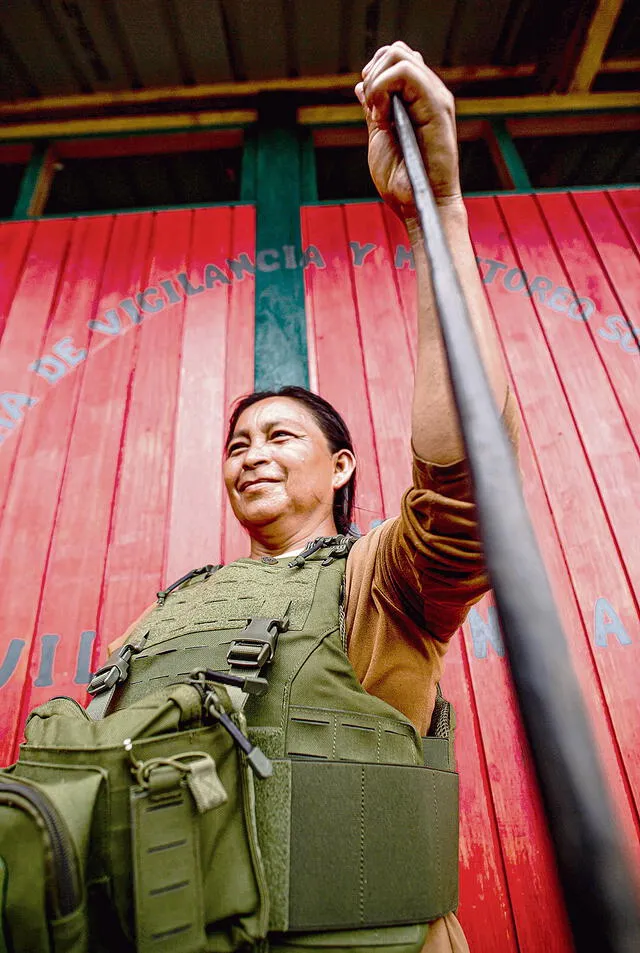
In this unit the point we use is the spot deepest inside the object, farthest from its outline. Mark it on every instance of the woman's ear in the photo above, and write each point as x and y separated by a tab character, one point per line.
344	463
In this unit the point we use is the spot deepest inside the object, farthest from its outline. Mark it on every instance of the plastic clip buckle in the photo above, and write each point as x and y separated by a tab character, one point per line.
258	643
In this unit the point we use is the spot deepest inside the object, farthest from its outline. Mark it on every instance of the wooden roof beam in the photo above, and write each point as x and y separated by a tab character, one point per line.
86	103
498	106
505	106
578	37
589	60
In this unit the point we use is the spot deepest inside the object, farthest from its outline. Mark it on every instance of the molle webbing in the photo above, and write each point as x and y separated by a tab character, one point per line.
358	825
350	845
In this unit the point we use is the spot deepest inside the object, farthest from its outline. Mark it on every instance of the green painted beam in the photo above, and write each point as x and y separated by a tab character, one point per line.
32	181
510	156
283	176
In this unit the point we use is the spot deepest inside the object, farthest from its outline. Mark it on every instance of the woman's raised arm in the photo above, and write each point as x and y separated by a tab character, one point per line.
398	69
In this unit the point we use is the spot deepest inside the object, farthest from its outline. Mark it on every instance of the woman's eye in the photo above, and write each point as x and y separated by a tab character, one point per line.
234	448
280	433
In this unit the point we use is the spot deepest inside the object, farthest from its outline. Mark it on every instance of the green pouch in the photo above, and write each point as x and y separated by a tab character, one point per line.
172	814
44	832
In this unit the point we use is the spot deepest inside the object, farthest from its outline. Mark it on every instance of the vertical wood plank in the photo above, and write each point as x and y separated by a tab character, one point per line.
340	369
239	359
195	518
626	202
485	910
385	349
404	271
14	243
135	559
21	341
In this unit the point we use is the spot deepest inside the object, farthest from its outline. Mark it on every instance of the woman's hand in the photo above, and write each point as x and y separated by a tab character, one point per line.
399	69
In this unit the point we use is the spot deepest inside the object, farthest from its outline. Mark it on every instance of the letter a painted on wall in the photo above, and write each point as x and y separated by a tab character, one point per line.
606	621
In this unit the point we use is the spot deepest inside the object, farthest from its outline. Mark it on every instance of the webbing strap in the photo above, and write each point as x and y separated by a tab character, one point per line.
109	676
251	652
169	905
352	831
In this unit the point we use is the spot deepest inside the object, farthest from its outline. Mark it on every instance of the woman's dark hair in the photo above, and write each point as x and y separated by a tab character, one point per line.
332	426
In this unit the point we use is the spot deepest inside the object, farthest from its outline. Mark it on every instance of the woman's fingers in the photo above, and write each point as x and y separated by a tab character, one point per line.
401	70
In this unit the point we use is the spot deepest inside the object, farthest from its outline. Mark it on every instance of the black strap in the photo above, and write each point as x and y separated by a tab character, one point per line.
114	672
162	595
248	655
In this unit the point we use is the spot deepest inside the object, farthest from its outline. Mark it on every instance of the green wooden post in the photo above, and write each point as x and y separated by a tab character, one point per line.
283	176
35	184
511	158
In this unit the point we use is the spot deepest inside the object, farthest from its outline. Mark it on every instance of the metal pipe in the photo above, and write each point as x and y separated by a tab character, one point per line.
596	879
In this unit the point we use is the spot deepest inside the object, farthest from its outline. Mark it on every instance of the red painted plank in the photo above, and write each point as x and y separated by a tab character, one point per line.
136	546
194	524
618	257
71	586
239	362
32	500
404	274
54	420
587	277
22	338
340	373
485	908
385	348
627	205
582	525
14	243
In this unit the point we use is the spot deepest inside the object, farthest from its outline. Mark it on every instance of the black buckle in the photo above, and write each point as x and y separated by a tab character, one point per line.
252	685
114	671
258	643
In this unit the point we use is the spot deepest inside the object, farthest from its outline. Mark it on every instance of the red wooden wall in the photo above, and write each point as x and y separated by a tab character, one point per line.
110	452
110	468
562	276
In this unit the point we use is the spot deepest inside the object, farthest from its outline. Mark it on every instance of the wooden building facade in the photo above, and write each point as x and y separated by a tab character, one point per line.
245	251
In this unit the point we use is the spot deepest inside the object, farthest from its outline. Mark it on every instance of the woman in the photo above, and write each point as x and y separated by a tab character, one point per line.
289	466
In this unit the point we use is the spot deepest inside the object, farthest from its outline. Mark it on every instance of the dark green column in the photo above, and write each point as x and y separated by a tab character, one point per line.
35	182
280	172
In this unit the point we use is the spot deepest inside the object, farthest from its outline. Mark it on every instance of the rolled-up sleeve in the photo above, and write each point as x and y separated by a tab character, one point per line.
431	559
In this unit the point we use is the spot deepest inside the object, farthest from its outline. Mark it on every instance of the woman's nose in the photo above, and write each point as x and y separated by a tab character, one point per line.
255	454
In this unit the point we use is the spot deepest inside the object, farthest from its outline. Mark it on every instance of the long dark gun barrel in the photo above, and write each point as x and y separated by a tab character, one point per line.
596	878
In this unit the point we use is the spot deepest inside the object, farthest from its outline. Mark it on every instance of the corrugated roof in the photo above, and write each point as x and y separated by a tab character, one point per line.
64	47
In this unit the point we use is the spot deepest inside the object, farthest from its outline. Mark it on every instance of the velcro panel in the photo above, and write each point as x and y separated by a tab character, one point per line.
167	875
349	736
273	819
410	821
356	829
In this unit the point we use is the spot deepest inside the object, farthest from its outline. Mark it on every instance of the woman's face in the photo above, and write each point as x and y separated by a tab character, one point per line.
278	464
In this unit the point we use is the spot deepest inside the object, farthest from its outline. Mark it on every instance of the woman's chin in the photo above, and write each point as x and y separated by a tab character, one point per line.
260	513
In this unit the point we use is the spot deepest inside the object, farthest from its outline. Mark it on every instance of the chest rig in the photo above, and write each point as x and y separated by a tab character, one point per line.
355	813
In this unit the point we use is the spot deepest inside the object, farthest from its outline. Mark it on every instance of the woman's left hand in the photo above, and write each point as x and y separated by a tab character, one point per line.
399	69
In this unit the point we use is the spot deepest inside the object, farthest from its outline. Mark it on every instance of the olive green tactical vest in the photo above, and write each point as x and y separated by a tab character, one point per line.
358	825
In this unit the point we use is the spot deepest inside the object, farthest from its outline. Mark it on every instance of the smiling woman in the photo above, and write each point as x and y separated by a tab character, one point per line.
284	449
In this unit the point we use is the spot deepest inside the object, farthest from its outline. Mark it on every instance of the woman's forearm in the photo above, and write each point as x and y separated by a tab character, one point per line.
435	430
